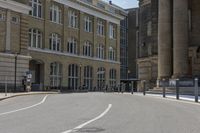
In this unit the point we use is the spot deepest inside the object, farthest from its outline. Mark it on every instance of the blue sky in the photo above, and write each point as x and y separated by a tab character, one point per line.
125	3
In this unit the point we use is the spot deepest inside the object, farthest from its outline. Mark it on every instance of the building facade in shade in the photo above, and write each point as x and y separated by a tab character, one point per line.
73	43
169	41
124	48
14	58
133	35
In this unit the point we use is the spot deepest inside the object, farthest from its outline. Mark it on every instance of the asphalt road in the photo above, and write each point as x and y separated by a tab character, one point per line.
97	113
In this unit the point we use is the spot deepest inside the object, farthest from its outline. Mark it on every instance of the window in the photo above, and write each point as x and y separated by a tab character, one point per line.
149	28
15	20
73	76
100	27
36	8
35	38
88	24
2	16
101	78
55	74
72	46
112	31
100	51
55	42
88	77
113	77
55	14
101	5
111	54
73	19
87	49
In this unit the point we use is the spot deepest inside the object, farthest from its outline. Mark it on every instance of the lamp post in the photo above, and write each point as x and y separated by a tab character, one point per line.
80	75
15	74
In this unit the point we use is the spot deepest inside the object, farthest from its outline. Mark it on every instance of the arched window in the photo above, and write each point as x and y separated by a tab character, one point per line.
101	78
87	49
55	42
111	54
73	18
113	77
100	51
35	38
73	76
88	76
72	46
55	14
36	8
55	74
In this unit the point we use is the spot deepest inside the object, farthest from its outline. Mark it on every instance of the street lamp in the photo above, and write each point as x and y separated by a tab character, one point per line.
80	75
15	75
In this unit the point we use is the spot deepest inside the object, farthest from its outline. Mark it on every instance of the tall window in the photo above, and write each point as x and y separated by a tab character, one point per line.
55	42
100	51
73	76
87	49
55	14
100	27
36	8
113	77
88	24
72	46
101	78
111	54
2	16
73	19
112	31
55	74
88	77
35	38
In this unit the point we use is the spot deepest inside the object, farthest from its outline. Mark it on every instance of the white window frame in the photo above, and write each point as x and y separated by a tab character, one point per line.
100	28
55	14
111	54
100	51
87	49
112	31
2	16
73	76
88	72
113	77
55	42
55	74
73	19
35	38
101	75
88	24
38	11
72	46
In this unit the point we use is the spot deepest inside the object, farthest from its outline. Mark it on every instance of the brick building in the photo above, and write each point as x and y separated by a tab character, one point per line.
72	43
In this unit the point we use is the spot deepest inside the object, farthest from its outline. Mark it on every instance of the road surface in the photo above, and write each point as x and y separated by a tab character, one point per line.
97	113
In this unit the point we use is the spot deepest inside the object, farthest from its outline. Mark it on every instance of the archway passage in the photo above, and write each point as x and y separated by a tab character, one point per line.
37	70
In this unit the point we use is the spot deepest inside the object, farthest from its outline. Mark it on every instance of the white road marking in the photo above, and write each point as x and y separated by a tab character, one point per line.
90	121
13	111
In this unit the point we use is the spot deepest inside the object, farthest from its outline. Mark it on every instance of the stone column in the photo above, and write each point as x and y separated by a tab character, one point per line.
180	38
165	39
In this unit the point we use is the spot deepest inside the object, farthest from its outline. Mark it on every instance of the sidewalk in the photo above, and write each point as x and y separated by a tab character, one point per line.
171	96
10	95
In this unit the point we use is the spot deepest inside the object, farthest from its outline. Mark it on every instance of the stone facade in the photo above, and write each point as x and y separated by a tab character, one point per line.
14	59
51	68
175	39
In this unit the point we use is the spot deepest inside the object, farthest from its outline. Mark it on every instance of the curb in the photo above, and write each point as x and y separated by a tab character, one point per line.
26	94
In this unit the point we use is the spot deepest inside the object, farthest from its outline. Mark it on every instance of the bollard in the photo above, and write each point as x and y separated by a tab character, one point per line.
144	89
164	89
177	89
6	88
196	90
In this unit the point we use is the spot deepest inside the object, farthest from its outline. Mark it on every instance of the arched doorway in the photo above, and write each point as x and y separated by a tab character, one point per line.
37	70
